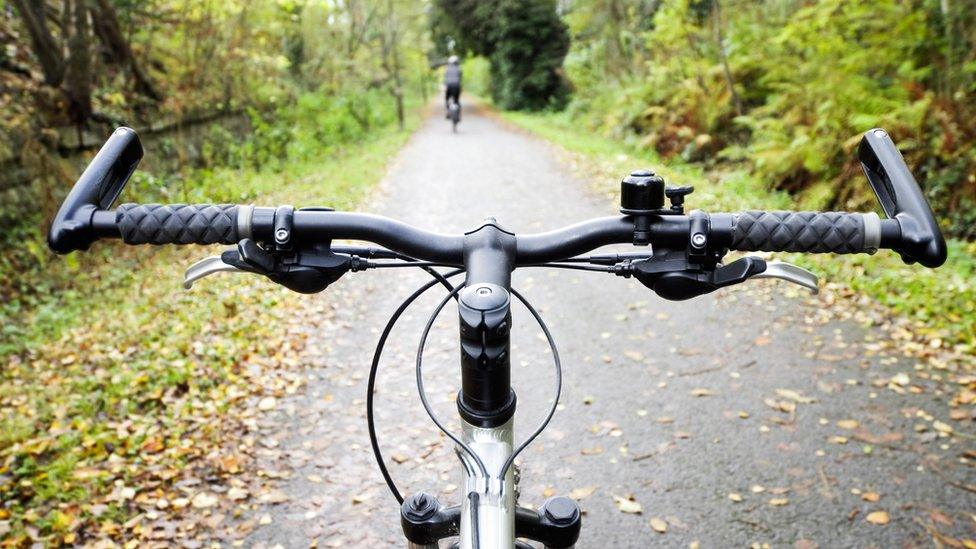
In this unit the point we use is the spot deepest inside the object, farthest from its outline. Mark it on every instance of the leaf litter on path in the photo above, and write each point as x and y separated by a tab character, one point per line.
627	504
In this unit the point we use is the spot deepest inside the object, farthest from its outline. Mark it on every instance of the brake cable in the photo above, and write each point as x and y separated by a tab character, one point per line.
423	394
430	411
559	383
378	352
371	383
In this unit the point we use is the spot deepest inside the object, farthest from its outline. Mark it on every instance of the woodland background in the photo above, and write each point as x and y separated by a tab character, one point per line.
307	99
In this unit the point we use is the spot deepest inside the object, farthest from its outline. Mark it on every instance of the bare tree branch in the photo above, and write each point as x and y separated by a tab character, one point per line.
46	48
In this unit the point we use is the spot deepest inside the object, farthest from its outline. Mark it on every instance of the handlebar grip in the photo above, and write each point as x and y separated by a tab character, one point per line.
812	232
177	223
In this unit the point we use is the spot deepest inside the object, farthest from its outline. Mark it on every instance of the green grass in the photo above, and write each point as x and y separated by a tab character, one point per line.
123	378
943	301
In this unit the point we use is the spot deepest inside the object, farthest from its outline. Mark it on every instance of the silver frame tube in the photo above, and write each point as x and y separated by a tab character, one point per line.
495	509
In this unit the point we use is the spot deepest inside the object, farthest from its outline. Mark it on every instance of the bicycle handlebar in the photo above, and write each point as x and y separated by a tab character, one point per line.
811	232
912	231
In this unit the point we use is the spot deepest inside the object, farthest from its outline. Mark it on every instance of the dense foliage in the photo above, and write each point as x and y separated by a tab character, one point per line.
208	84
525	43
785	87
114	387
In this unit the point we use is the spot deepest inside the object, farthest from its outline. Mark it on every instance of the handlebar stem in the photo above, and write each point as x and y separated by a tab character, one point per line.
484	308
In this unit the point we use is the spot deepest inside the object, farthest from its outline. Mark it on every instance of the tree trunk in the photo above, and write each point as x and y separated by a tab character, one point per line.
106	25
77	76
395	55
46	48
736	100
390	61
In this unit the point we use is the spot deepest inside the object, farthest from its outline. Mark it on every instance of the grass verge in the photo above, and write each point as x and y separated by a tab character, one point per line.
121	384
942	301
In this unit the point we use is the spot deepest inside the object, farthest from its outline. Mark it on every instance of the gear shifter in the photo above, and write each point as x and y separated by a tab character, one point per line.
305	271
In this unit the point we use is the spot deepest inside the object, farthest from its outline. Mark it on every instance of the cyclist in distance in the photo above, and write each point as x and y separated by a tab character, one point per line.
452	83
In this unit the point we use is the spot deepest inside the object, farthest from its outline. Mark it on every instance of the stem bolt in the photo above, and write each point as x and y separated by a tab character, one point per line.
281	235
698	240
484	290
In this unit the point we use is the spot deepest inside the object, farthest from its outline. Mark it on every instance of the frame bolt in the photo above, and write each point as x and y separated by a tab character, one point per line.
561	510
419	502
420	506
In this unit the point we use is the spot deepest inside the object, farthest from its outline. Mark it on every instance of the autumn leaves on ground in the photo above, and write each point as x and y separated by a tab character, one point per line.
132	413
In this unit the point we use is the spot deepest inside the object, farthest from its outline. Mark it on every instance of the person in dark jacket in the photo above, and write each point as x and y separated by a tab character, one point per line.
452	82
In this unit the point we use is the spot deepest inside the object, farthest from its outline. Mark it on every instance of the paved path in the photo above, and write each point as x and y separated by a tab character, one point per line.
630	424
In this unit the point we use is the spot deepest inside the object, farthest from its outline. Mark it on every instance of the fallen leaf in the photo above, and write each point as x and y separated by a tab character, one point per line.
659	525
877	517
872	497
940	517
152	446
901	380
361	498
942	427
582	493
237	494
203	500
762	341
849	424
781	405
779	502
274	497
795	396
737	498
702	392
757	489
267	403
628	505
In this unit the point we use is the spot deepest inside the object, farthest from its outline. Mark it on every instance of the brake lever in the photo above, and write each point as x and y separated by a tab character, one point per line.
206	267
791	273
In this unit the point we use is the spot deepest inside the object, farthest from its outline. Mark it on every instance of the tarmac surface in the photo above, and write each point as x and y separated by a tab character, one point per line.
738	418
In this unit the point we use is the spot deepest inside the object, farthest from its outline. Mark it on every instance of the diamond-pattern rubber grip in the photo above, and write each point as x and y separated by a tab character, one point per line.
814	232
177	223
